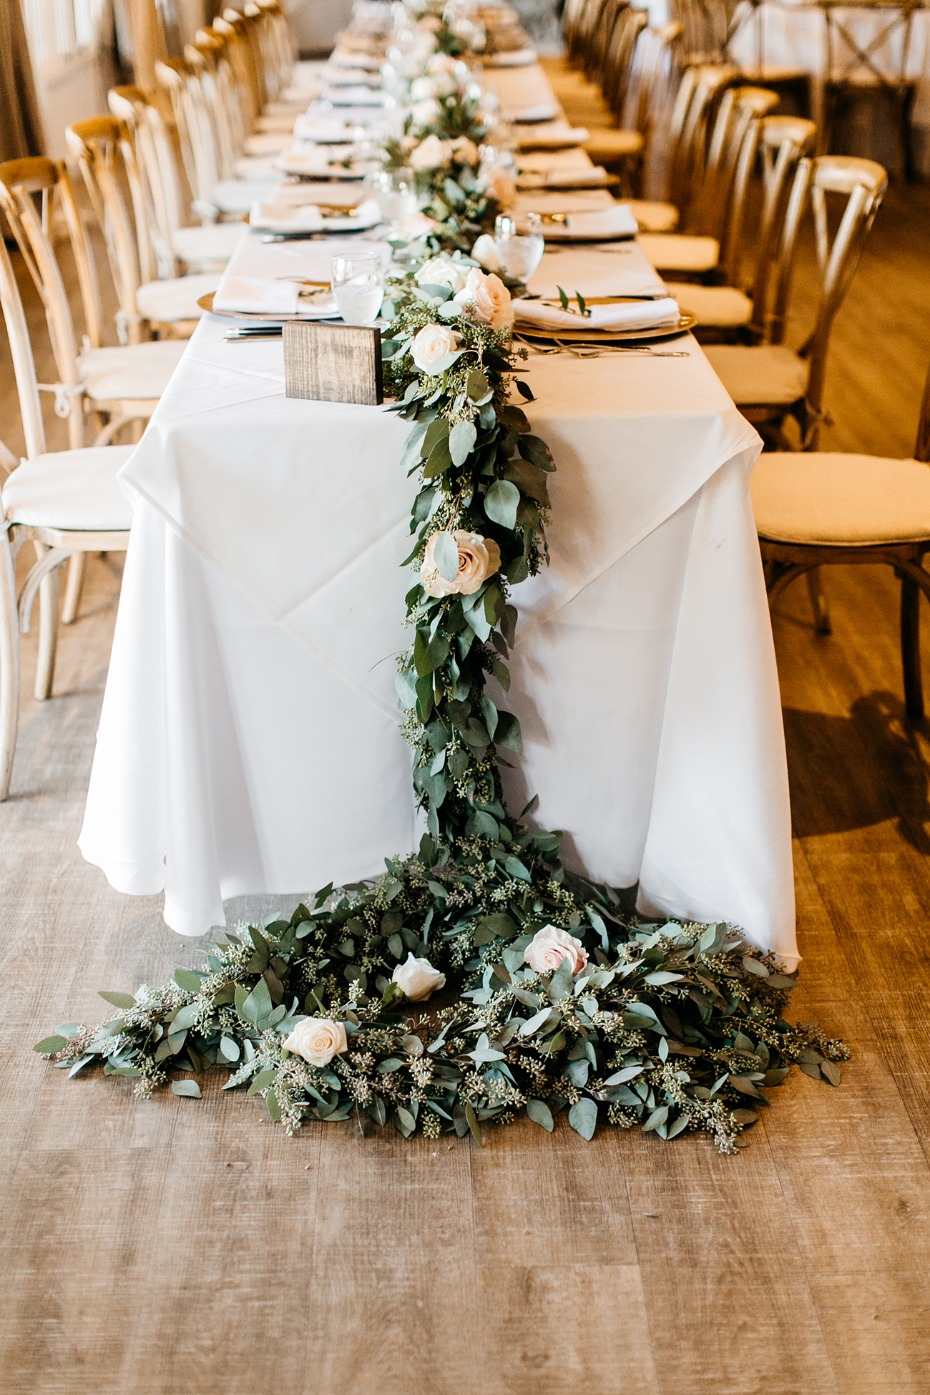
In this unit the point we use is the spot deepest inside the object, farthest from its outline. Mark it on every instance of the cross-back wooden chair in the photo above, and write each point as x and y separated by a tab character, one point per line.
149	306
742	312
718	207
877	66
817	508
771	382
120	384
177	243
63	503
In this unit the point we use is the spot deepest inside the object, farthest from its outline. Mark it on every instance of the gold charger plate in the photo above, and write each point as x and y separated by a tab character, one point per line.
686	321
268	317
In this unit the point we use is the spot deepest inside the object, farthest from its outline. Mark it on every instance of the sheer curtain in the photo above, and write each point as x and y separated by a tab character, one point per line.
20	125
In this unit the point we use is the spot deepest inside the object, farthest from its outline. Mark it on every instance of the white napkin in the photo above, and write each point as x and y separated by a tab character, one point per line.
515	58
357	96
626	315
594	226
286	217
322	130
334	193
552	134
347	76
352	58
621	272
319	162
256	295
536	112
567	177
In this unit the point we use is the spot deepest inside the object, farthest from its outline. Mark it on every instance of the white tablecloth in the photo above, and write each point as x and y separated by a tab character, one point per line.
249	738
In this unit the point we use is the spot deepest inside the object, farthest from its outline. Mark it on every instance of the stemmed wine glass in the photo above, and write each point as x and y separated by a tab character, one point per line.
520	244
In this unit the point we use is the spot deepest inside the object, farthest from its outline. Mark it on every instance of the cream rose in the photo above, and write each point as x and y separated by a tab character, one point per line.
417	979
430	344
485	253
501	185
465	149
422	89
479	558
486	299
442	271
318	1040
550	946
431	153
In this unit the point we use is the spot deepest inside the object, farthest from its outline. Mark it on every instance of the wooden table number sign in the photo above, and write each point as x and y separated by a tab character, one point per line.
332	363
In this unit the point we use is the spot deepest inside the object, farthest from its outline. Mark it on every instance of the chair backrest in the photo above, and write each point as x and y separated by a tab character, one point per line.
731	159
22	182
699	93
601	37
193	125
881	60
24	368
783	142
616	70
106	159
158	163
922	444
862	183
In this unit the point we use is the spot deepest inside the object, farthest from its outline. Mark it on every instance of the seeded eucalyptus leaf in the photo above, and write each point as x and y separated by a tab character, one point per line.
461	441
583	1117
446	553
49	1045
501	502
119	1000
541	1114
188	1088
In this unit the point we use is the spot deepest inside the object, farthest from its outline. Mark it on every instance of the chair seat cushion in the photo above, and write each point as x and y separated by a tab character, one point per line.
210	245
606	143
270	142
132	372
680	251
273	126
175	298
759	375
653	217
70	489
831	499
719	307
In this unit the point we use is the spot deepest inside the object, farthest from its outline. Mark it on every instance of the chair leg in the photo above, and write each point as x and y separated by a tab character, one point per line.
74	587
910	648
9	663
818	602
48	633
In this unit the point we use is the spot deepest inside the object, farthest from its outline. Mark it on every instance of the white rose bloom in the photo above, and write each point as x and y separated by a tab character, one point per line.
422	89
317	1040
442	271
432	343
486	299
550	946
485	253
430	154
479	558
417	979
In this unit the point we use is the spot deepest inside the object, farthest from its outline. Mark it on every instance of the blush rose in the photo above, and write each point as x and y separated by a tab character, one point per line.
479	558
550	946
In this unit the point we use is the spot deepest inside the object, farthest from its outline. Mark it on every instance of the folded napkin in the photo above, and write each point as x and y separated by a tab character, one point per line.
529	115
625	315
353	58
577	268
356	96
565	177
339	76
334	194
256	295
594	226
552	135
286	217
320	162
516	58
322	130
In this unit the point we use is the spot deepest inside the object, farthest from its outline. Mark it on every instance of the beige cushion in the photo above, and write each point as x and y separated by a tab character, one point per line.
176	297
653	217
274	125
835	499
759	375
680	251
722	307
606	143
134	372
210	245
71	489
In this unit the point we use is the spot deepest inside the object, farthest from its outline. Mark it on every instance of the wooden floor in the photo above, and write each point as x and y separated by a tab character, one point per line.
189	1248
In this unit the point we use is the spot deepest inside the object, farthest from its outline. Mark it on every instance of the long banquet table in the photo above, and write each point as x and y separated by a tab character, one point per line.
249	740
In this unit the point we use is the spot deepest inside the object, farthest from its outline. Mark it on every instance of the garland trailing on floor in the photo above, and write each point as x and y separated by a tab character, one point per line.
554	1001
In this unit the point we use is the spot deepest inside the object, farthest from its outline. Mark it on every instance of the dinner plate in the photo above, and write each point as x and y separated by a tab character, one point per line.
268	317
686	321
280	227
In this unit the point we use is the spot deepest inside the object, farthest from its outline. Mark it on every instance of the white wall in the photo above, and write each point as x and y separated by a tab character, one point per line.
317	22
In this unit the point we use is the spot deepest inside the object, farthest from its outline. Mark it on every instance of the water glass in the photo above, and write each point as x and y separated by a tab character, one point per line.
358	287
520	244
396	193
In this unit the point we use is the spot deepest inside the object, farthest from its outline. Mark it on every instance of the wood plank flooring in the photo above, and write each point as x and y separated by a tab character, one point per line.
180	1246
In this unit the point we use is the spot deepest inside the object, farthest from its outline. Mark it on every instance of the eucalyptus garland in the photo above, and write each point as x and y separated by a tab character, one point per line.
552	996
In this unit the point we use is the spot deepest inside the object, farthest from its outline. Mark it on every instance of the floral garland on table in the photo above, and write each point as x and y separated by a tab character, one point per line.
556	1000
